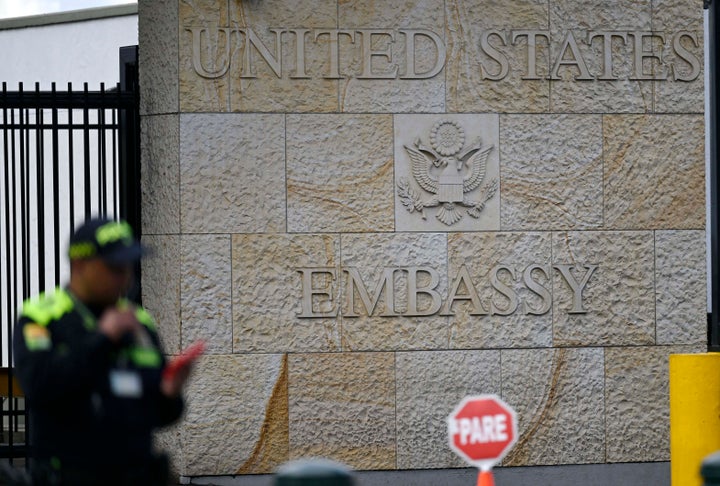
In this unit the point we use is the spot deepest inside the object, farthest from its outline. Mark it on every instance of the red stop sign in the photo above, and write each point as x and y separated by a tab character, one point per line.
482	429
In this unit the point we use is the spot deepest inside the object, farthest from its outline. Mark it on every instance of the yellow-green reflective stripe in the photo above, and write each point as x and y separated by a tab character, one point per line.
145	357
145	318
47	307
114	231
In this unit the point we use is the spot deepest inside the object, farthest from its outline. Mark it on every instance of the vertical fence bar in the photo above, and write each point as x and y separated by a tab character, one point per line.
102	159
8	274
56	186
24	198
86	154
71	174
40	185
8	239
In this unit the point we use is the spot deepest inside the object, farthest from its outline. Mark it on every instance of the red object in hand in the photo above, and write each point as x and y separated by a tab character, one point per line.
185	359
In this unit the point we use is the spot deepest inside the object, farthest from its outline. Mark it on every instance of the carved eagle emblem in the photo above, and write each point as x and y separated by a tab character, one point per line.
447	171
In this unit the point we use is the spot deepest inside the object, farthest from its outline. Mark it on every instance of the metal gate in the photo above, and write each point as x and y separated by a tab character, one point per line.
67	156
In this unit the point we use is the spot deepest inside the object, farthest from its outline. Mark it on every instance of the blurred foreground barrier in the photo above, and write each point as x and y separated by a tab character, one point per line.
710	469
313	472
694	414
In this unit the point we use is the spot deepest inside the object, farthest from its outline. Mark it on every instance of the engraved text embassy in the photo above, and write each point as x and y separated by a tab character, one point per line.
584	55
513	290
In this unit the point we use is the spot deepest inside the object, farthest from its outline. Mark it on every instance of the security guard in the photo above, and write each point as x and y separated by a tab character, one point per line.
90	364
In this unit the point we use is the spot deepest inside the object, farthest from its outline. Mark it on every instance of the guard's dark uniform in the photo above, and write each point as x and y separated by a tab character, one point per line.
93	404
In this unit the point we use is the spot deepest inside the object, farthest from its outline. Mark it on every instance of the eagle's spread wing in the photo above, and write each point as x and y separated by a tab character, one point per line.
477	164
421	170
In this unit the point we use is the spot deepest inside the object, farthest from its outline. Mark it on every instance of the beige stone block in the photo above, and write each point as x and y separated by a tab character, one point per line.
669	15
260	88
447	172
617	304
158	56
509	314
361	90
161	287
223	68
342	407
339	173
160	174
212	41
267	293
637	415
674	17
206	302
577	19
475	81
558	396
232	173
430	384
654	171
684	89
369	255
552	172
681	287
611	15
236	419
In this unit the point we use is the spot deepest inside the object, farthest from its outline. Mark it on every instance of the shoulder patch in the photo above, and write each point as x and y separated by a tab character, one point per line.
47	307
37	337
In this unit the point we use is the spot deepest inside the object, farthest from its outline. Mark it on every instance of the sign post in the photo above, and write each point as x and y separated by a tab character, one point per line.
481	430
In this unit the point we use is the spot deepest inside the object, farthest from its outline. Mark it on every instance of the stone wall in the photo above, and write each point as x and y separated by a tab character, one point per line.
370	210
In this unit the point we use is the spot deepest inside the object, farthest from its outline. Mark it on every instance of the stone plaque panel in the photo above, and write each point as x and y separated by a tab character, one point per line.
636	396
160	174
680	287
552	172
206	302
339	173
558	396
654	171
342	407
370	255
499	321
599	80
267	293
618	302
232	173
447	173
198	93
684	92
429	385
476	82
224	67
236	419
161	288
383	72
158	56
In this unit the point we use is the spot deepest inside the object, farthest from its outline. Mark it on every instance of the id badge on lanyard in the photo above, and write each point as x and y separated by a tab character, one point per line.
125	383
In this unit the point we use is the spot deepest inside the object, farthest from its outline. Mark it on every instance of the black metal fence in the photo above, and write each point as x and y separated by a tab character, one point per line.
67	156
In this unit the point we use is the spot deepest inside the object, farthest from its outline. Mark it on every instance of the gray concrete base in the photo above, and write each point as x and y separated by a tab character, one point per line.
628	474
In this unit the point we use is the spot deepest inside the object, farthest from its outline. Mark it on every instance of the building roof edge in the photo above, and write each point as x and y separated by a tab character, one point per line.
69	16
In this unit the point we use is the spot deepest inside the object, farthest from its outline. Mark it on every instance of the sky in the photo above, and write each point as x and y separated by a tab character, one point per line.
21	8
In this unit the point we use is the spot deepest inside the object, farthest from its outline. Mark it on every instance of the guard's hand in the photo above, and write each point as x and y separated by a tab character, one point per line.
172	385
177	371
116	323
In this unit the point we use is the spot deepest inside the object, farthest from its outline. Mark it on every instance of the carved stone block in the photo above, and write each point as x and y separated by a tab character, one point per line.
447	172
342	407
